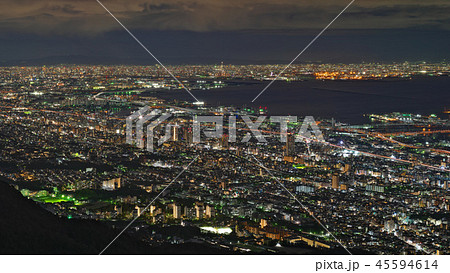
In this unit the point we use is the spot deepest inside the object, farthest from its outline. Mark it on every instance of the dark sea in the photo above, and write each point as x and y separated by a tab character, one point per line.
346	101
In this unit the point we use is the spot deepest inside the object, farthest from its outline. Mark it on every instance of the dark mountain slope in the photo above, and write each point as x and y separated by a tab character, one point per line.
26	228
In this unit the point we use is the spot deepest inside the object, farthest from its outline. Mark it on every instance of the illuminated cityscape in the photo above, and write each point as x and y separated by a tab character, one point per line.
379	187
219	136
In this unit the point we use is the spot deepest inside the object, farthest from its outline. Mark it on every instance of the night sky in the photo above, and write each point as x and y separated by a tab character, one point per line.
211	31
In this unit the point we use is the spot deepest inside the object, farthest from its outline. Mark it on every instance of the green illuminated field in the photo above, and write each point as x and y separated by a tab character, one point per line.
56	199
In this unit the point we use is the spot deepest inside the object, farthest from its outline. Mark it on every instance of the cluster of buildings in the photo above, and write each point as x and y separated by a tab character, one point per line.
94	79
381	187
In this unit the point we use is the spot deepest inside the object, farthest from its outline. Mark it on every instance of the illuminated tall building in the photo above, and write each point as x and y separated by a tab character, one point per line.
152	209
187	135
176	211
175	133
263	223
210	212
335	181
138	210
199	212
290	146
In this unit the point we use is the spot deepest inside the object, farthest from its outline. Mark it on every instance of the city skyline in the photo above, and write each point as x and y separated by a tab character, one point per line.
116	145
227	127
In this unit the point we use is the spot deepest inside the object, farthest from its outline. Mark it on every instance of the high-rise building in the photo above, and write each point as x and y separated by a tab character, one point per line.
224	141
290	146
263	223
138	210
210	211
187	135
176	211
152	209
335	181
199	211
175	133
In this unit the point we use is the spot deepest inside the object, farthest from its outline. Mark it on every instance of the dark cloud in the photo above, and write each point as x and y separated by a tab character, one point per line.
234	31
149	8
87	16
64	9
403	16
